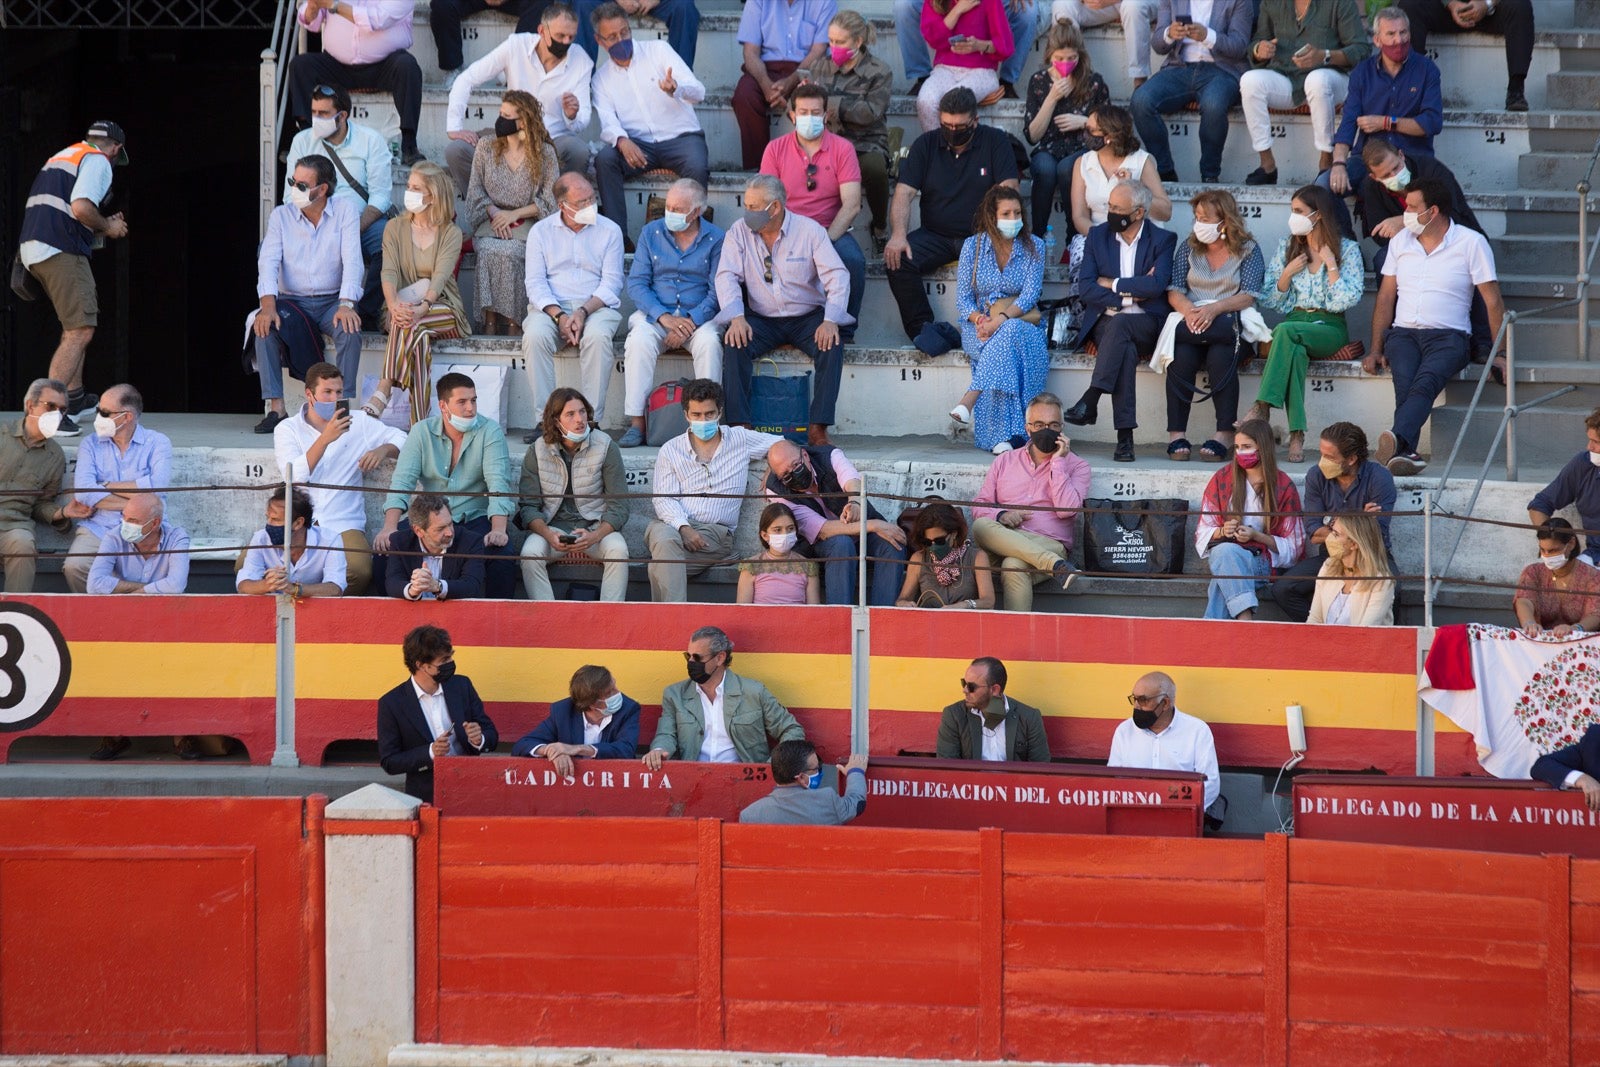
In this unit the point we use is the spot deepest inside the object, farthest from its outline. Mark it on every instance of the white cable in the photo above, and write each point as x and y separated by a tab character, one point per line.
1285	826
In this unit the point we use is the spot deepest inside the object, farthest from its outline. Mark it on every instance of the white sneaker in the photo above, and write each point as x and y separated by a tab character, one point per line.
961	415
1002	448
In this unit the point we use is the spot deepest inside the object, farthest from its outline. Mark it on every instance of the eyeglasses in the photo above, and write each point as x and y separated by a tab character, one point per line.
104	414
1056	426
811	178
971	687
766	272
695	657
1143	702
304	187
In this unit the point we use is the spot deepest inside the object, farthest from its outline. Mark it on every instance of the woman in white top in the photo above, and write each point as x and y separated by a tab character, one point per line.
1355	586
1118	157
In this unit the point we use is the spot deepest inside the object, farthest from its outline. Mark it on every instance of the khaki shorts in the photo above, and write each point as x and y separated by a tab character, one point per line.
69	283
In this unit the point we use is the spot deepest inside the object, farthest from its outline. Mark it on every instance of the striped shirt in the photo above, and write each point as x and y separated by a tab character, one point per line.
681	477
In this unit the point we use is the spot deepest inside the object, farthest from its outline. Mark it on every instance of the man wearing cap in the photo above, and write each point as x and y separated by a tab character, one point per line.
60	227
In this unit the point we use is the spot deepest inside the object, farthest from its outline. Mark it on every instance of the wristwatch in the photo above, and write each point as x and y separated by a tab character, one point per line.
1327	57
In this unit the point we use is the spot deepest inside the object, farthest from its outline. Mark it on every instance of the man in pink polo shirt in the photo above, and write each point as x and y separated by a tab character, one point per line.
822	179
1032	544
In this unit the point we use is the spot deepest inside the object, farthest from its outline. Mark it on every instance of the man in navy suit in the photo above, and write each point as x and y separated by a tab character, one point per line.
1127	266
435	713
595	722
1574	767
429	554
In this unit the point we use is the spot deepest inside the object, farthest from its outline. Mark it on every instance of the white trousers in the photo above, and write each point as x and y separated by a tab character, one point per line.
611	553
595	357
645	343
981	81
1135	16
1263	89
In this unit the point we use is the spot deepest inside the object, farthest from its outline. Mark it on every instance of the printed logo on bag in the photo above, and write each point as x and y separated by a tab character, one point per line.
35	667
1133	549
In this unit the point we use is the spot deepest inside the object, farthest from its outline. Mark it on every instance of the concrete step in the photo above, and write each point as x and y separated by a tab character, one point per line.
1554	169
1573	88
1563	130
1527	253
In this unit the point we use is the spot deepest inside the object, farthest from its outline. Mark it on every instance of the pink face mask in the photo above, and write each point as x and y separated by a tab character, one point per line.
1247	460
841	56
1396	53
1066	68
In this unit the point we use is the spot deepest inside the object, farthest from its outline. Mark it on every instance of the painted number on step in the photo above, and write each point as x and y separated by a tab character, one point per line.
1322	385
912	374
469	33
934	288
935	483
637	479
619	367
1250	211
1494	136
253	470
1124	489
1182	791
1279	132
360	112
519	362
35	667
1178	129
1433	54
476	113
755	773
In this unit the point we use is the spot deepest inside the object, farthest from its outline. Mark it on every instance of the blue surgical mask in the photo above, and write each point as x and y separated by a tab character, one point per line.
622	51
464	424
704	430
324	408
613	703
275	533
676	221
576	438
1008	228
808	126
815	781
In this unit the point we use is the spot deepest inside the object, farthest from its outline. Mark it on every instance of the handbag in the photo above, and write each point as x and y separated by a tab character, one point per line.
23	283
1005	303
1135	536
663	415
781	405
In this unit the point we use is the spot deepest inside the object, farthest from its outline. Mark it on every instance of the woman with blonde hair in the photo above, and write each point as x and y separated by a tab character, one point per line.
513	185
858	85
422	302
1355	587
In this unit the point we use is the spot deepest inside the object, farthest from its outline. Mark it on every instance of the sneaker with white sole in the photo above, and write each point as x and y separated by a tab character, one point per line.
68	427
1388	445
1064	573
1406	464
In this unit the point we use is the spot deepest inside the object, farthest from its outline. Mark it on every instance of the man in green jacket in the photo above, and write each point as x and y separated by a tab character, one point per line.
988	725
716	716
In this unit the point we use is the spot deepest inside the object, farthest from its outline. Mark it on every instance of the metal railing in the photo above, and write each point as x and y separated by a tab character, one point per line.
1585	257
288	41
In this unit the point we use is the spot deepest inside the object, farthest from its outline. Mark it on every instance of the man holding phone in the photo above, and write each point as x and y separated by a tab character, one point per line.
1205	42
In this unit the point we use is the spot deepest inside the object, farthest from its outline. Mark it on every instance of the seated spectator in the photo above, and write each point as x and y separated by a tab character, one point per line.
1300	61
1022	18
1118	158
310	260
1205	58
1127	266
334	446
1394	96
1250	524
34	465
428	561
1342	481
513	185
364	45
1559	594
998	282
315	566
822	181
594	721
463	455
798	798
950	170
542	64
858	84
445	18
144	554
780	40
574	282
1025	510
1216	275
820	484
1357	555
970	39
361	156
123	457
422	247
573	504
780	282
646	97
946	570
437	697
1135	16
1578	483
1574	767
985	724
1061	95
1159	737
681	16
698	478
675	299
1421	324
1315	276
1510	19
778	574
717	716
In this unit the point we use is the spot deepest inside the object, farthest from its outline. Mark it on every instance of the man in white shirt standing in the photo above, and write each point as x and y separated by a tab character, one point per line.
574	282
645	96
1422	323
716	716
1159	737
364	44
544	64
332	444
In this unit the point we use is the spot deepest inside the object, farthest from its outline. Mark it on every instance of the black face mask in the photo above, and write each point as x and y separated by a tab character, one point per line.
958	138
1045	440
444	672
699	674
1118	221
275	533
504	127
558	49
1145	718
799	478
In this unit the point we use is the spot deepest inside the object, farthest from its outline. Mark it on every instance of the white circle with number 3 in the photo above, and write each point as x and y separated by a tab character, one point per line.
35	666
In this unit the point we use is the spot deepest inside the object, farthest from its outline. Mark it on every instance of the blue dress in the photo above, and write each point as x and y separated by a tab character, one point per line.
1008	369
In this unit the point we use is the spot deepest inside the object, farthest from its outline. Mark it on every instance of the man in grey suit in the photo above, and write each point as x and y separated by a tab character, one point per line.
799	799
988	725
716	716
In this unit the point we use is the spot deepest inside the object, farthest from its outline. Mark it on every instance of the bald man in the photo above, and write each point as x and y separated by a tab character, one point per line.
123	457
1159	737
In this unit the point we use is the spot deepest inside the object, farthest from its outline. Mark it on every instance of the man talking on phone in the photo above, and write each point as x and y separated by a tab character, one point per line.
433	714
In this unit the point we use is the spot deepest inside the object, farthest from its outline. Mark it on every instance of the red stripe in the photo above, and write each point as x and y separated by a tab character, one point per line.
250	719
197	618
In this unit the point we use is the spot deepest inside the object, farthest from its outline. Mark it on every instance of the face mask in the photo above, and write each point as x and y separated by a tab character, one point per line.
808	126
324	128
814	781
1414	223
1398	180
1330	468
622	51
698	672
840	56
1300	225
1066	67
464	424
782	543
757	220
1594	457
798	478
1555	563
1395	53
586	216
1045	440
415	201
577	438
1335	546
704	430
1008	228
324	408
49	423
958	138
613	703
676	221
504	127
1145	718
1207	232
1247	460
940	549
444	672
1118	222
275	533
104	426
131	532
559	49
297	197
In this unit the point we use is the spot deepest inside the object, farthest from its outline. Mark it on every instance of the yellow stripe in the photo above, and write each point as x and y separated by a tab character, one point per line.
171	670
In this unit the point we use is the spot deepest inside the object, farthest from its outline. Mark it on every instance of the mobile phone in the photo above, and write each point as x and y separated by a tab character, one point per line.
341	407
957	38
1182	20
568	539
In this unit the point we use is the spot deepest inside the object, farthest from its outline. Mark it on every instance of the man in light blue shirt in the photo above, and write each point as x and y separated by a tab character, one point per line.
312	257
574	283
121	458
144	554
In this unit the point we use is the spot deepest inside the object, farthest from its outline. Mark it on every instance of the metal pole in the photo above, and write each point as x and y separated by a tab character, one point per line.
1511	396
1583	270
284	755
269	139
861	546
861	643
1427	559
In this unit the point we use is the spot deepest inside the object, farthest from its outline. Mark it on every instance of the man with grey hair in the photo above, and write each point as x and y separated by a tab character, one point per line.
123	457
716	716
780	282
670	286
34	465
1159	737
1127	265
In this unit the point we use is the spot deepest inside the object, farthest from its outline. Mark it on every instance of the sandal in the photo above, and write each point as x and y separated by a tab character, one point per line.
1212	452
1497	370
1297	446
1178	451
375	404
1258	410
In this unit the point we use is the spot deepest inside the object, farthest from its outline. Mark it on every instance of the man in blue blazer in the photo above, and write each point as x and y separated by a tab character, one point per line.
1127	266
434	713
1205	59
1574	767
428	556
595	722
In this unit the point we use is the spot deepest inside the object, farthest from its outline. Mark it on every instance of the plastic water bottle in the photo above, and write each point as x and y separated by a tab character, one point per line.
1049	245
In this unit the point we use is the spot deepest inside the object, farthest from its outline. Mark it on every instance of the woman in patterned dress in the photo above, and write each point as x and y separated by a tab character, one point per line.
513	186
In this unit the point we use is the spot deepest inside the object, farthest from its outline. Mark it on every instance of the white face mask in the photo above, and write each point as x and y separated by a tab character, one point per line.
324	128
415	201
1414	224
586	216
1208	232
49	423
105	426
1398	180
1555	563
1594	457
1300	225
132	532
1009	228
676	221
297	197
781	543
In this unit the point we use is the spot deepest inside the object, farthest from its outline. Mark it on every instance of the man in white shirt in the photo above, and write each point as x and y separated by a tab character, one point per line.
544	64
716	716
698	478
121	458
316	558
1159	737
574	282
332	444
364	45
645	96
1422	325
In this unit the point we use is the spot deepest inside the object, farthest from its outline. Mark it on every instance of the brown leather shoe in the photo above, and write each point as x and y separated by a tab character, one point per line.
817	435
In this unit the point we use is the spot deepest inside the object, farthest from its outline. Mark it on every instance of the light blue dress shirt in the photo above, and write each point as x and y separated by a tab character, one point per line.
166	571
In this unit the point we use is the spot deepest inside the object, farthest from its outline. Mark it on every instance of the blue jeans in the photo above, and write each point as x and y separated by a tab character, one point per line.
681	16
856	263
685	155
1052	181
1236	571
499	574
1422	362
914	47
1173	88
1024	28
841	555
346	346
372	276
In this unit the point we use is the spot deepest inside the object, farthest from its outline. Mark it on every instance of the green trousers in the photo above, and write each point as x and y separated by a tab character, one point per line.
1300	338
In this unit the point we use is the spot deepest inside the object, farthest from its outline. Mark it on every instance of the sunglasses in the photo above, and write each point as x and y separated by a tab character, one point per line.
971	687
304	187
766	272
811	178
104	414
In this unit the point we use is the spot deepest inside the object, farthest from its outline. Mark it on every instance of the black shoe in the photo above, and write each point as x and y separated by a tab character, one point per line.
1516	100
1210	179
1064	573
269	422
1080	414
1124	452
188	748
530	438
81	402
1008	91
67	428
916	86
110	748
1261	177
1169	176
411	156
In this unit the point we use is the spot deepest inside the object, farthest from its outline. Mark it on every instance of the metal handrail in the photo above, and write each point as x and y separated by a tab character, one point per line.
1585	262
286	42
